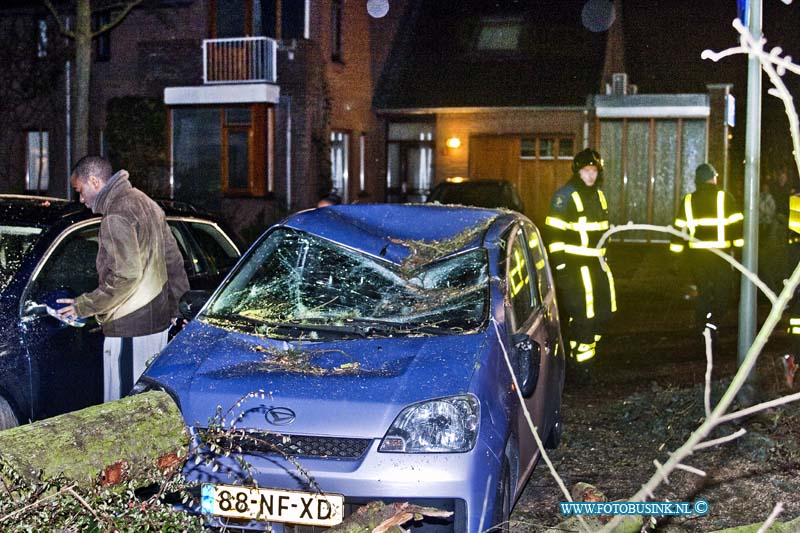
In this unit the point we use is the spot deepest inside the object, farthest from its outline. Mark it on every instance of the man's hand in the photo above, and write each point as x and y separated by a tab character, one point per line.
68	311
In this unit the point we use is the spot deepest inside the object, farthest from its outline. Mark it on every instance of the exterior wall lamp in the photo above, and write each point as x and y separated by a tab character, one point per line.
453	142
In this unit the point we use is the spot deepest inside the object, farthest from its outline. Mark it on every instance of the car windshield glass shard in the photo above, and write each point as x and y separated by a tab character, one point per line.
296	279
15	243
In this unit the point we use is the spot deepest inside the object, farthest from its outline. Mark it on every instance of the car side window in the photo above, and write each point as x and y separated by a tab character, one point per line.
520	279
219	252
192	264
537	254
71	265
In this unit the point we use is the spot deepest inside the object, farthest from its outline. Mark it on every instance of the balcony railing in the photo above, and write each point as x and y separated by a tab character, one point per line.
239	60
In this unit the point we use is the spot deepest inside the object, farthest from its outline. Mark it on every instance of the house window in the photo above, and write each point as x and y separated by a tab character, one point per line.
336	30
102	43
236	150
362	158
279	19
410	161
499	35
37	175
528	149
546	148
566	148
219	151
340	142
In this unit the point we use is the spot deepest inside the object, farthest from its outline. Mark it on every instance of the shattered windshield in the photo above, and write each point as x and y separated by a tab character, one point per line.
15	243
297	280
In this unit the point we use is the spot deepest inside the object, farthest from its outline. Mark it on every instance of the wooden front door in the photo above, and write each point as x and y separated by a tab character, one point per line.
536	176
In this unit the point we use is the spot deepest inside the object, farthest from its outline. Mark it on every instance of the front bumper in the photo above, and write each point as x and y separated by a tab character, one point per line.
464	483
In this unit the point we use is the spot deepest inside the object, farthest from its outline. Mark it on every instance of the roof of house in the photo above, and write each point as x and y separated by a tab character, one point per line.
487	54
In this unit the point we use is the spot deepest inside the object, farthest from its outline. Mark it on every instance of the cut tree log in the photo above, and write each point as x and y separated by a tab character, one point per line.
136	438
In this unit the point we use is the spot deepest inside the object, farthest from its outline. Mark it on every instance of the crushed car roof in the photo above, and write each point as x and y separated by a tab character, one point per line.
392	231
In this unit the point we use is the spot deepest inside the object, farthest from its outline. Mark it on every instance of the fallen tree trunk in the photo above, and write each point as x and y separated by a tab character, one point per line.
136	438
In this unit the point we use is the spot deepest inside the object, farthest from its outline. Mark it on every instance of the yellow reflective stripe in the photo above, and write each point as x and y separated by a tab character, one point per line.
519	272
583	352
710	244
794	331
584	235
584	250
794	321
556	223
533	242
721	220
612	291
794	213
540	264
602	199
687	207
680	223
738	243
587	285
676	247
556	247
597	338
578	202
710	221
583	225
736	217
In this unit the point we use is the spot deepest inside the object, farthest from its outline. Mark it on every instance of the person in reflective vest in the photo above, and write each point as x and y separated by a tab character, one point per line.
791	360
711	216
577	218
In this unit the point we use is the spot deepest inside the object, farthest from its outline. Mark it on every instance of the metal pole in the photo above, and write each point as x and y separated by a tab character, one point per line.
752	149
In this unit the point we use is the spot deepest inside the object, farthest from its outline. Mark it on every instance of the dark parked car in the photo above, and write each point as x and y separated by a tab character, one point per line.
377	335
48	246
478	193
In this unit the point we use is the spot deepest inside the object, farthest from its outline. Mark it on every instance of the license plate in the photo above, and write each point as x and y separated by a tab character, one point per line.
272	505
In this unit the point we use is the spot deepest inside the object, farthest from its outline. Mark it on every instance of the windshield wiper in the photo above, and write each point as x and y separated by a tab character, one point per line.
291	327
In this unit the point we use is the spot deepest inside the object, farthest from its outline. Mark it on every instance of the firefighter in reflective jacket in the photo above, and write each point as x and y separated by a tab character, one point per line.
585	288
791	360
711	216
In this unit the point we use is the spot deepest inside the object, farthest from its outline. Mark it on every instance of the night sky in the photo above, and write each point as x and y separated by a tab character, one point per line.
665	39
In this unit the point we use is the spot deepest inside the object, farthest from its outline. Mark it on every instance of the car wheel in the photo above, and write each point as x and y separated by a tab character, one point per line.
502	502
554	438
7	418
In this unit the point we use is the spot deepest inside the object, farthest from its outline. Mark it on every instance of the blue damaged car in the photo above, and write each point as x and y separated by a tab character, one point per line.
372	352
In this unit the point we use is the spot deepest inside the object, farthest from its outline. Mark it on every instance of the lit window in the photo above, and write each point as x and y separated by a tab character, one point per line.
37	175
340	142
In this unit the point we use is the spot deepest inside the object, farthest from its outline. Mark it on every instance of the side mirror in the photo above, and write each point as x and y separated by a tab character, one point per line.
191	303
529	358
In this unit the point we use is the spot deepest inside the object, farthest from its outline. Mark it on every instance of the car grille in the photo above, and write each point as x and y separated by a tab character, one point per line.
297	445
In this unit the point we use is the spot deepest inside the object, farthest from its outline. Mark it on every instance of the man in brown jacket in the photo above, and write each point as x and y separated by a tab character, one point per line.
140	273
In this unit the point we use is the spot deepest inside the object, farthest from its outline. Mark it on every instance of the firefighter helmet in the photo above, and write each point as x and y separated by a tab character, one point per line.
705	172
585	158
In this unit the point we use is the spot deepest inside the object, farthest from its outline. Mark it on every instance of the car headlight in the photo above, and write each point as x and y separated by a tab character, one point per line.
445	425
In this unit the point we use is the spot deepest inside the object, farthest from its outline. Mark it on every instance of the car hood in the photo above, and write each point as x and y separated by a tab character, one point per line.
346	388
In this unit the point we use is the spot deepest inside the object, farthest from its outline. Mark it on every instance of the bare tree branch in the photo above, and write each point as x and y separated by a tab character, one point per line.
61	24
126	8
